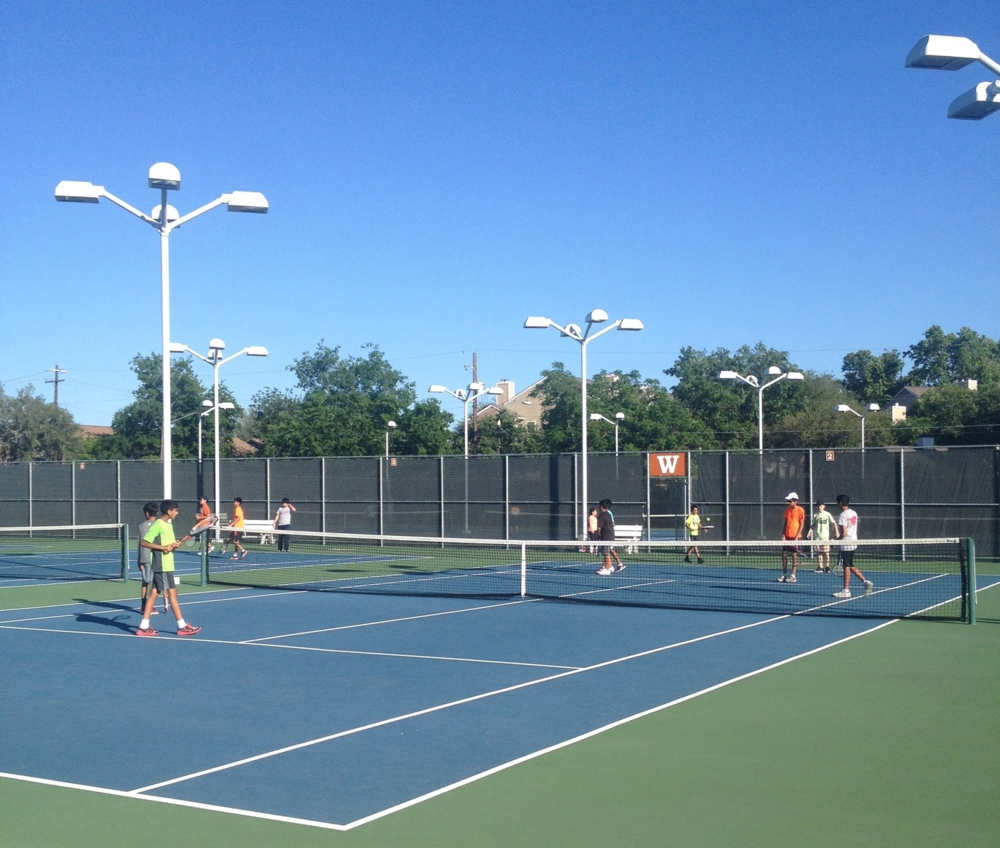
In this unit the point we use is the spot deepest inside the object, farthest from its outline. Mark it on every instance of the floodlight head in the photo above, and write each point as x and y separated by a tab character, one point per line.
227	405
217	344
942	53
207	402
436	390
247	201
256	350
391	425
976	103
633	324
620	416
476	387
164	175
842	407
873	407
773	371
172	213
795	375
72	191
573	331
536	322
177	347
596	416
496	390
597	316
728	375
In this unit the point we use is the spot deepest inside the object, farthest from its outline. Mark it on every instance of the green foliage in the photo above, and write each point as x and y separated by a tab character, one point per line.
424	429
138	425
33	429
956	416
502	434
941	358
728	408
873	379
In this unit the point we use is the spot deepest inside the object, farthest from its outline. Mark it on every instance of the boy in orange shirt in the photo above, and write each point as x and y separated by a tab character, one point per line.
795	518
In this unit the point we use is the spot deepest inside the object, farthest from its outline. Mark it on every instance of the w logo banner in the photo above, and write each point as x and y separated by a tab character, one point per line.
668	465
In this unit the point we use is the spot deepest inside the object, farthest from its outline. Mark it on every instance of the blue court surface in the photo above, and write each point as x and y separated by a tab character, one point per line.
334	709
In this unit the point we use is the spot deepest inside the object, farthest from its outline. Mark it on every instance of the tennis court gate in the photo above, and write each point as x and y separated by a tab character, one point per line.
899	493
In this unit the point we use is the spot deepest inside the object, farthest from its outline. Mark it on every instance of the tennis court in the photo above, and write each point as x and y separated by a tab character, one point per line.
338	709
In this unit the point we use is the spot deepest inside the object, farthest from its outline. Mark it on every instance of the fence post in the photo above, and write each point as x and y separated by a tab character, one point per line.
902	498
649	501
524	570
267	485
322	495
381	507
441	479
118	488
728	505
506	497
72	495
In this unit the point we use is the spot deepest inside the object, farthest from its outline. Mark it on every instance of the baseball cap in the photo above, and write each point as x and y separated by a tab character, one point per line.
791	496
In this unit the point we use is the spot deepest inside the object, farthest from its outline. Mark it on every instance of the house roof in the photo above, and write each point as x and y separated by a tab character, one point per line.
909	395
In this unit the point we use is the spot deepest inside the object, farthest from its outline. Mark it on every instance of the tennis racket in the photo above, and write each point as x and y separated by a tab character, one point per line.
193	539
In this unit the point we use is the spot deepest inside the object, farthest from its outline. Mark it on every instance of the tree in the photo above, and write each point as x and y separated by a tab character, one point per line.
873	379
502	434
941	358
956	416
32	429
423	430
138	425
729	408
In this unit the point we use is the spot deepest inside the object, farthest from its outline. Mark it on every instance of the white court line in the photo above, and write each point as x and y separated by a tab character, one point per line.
138	794
389	621
616	588
863	596
437	708
130	598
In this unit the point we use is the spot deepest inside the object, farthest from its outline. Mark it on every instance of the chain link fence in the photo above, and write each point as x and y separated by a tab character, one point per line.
899	493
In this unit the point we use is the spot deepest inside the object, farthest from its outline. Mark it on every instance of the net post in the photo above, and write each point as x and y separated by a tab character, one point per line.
203	552
125	553
524	570
970	565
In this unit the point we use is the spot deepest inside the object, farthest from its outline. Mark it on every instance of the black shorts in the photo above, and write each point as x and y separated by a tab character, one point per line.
235	536
847	558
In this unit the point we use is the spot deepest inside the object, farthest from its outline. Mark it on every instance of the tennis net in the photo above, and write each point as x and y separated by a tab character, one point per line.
927	578
63	553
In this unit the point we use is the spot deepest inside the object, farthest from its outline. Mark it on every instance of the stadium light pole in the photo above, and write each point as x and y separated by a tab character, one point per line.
751	380
214	358
950	53
467	395
389	427
584	337
164	219
211	408
872	407
619	417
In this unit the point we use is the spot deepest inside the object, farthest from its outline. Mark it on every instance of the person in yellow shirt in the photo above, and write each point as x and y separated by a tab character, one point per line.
693	525
795	519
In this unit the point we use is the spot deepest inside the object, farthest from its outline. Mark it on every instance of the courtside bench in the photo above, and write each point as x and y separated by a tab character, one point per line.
629	534
260	527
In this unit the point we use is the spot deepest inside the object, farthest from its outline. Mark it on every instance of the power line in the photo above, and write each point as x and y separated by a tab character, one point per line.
56	381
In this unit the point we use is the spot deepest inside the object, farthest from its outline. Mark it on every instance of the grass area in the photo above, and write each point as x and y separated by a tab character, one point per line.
887	740
21	597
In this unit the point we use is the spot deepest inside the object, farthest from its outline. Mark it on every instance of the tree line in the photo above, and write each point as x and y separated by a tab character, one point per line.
341	405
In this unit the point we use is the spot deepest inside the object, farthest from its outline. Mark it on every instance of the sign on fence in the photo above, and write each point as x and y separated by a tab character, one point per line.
668	465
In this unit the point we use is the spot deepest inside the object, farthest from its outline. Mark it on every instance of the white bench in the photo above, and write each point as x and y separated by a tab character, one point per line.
260	527
629	534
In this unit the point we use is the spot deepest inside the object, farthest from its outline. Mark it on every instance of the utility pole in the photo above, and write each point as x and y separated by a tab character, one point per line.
475	403
56	381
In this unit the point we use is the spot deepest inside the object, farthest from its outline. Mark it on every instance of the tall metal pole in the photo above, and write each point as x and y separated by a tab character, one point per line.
465	402
583	416
760	455
165	308
215	399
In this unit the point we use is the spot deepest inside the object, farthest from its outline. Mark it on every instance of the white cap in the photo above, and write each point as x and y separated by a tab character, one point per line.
791	496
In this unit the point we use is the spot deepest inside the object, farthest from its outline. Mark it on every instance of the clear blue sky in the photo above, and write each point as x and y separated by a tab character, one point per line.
727	172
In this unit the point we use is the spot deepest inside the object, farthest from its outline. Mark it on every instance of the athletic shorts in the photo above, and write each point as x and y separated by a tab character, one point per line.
847	558
235	535
790	548
164	580
605	550
822	549
146	572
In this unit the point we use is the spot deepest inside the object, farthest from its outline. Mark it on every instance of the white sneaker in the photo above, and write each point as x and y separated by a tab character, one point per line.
868	587
819	570
235	556
604	572
781	578
791	578
843	593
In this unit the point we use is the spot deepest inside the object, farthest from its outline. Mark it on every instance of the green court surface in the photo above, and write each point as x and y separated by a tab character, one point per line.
890	739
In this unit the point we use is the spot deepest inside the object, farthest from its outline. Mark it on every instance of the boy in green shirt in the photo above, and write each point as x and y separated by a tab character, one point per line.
824	528
160	539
